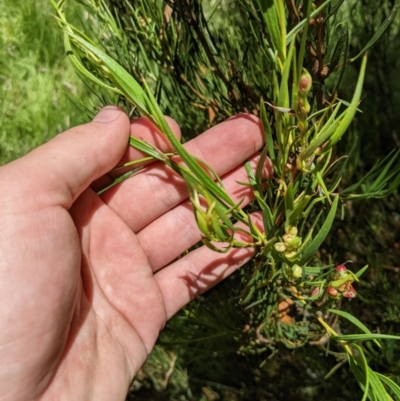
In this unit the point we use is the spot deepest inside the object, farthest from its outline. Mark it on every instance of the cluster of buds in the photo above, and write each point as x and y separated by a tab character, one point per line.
290	245
342	283
214	224
209	220
303	107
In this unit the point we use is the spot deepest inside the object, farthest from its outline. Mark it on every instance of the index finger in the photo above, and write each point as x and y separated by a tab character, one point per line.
151	193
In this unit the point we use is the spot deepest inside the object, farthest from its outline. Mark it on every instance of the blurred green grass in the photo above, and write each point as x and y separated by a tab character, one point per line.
36	81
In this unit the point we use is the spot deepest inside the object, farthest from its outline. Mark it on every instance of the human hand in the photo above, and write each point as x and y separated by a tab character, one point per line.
83	292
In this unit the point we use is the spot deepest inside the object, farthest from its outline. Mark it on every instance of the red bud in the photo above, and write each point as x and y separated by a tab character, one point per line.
350	293
333	292
340	271
340	268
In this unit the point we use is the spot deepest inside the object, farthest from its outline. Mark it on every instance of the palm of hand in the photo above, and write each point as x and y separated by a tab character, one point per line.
86	298
119	307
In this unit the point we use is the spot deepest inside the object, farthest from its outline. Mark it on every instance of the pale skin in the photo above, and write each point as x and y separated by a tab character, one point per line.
87	282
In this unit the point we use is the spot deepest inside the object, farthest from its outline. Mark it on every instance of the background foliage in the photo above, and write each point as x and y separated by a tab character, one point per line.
36	82
202	359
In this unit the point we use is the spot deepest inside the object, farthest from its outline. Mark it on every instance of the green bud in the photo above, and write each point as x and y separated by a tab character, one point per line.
297	271
287	238
301	125
280	247
305	83
295	242
304	106
201	219
292	230
291	255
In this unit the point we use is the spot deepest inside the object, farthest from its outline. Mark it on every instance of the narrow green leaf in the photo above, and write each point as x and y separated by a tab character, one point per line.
354	320
323	232
351	111
377	386
394	387
208	183
123	177
271	18
250	174
322	136
301	24
280	8
365	337
374	183
377	168
333	64
338	50
363	364
123	80
311	270
289	203
361	271
259	170
382	177
269	142
333	9
268	220
321	182
283	99
381	30
147	148
307	6
359	376
299	206
339	126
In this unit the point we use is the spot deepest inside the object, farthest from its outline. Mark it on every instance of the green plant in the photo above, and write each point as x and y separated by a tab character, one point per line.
291	81
35	80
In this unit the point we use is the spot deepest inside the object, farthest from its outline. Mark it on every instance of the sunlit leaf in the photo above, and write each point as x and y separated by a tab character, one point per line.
322	234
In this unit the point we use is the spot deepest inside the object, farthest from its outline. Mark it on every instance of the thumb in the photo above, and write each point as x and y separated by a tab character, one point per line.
64	167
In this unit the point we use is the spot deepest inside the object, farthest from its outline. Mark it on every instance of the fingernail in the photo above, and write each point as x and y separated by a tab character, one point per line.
108	114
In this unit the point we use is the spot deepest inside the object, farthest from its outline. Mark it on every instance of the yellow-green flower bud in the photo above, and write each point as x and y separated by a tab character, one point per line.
294	242
301	125
280	247
201	219
304	106
297	271
291	255
287	238
292	230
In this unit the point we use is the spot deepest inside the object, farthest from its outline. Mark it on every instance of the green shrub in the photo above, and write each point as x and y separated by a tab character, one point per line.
201	62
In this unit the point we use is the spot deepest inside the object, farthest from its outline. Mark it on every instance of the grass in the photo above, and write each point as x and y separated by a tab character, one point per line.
36	81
